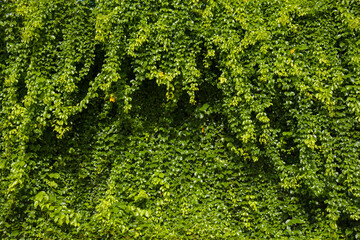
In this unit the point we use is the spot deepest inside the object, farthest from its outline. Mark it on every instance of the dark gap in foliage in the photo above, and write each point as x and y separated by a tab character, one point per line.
96	68
348	225
148	102
21	87
312	205
183	111
94	71
51	144
209	93
128	72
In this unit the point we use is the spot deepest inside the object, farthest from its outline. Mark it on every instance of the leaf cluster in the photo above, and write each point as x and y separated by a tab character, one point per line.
201	119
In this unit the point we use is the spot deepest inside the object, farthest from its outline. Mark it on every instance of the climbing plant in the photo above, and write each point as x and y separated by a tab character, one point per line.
200	119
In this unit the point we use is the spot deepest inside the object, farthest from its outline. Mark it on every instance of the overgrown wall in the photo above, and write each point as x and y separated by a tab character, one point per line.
199	119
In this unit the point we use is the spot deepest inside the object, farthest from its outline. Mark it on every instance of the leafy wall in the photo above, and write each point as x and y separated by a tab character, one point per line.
199	119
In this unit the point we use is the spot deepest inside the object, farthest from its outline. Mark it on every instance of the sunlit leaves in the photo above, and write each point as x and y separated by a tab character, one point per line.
179	119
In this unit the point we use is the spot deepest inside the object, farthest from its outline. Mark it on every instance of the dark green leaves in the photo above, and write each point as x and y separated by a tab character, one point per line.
179	120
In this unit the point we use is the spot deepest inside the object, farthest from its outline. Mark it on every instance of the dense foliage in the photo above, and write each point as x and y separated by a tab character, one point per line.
199	119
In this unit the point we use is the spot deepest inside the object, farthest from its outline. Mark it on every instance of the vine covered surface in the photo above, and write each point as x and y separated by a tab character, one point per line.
199	119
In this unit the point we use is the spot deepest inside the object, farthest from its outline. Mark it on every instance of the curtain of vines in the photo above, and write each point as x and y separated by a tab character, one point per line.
200	119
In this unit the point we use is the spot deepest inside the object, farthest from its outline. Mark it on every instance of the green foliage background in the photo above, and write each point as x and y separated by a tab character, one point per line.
199	119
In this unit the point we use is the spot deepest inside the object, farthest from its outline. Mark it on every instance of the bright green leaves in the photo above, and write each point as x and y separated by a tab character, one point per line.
32	12
60	214
141	196
40	199
172	119
140	38
102	27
